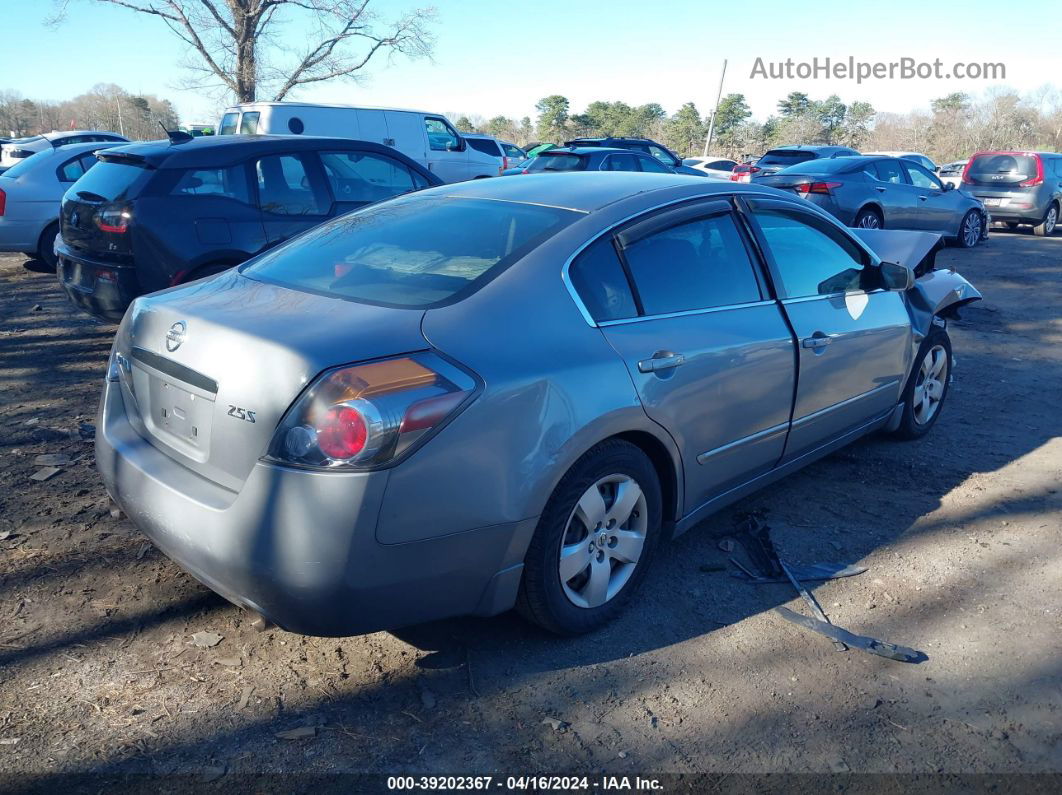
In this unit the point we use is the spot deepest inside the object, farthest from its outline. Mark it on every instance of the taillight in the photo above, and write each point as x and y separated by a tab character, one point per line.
817	187
114	219
364	416
1032	182
3	202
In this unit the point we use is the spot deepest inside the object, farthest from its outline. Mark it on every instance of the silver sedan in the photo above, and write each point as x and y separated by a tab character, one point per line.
508	392
30	193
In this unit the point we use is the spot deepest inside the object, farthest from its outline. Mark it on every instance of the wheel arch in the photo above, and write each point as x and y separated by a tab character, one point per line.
871	205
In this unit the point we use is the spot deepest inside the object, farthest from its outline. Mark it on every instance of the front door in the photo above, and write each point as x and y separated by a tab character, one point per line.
938	210
712	358
447	152
854	337
292	194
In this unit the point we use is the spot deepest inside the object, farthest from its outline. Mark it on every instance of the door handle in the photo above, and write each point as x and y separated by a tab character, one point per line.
923	198
879	189
818	340
661	362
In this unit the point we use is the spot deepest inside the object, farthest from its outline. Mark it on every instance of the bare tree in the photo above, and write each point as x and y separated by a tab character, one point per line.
240	45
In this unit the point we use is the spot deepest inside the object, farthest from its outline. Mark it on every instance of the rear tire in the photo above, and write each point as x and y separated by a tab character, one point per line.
868	218
46	246
1046	227
927	388
601	525
970	229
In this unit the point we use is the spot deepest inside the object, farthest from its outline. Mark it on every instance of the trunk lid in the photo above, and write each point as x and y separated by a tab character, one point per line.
211	367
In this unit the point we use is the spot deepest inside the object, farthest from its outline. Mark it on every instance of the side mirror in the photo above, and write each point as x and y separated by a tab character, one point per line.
896	277
948	186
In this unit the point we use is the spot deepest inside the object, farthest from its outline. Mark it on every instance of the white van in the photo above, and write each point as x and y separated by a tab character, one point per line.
428	138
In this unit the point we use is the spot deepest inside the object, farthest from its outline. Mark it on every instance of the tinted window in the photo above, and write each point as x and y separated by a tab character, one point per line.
921	178
111	180
598	277
784	157
365	177
650	164
662	155
889	171
557	162
695	265
812	257
249	123
621	163
483	145
230	182
284	187
825	166
413	251
513	151
721	165
71	171
228	124
441	136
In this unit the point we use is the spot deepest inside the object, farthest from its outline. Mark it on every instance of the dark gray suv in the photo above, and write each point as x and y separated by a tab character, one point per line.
1018	187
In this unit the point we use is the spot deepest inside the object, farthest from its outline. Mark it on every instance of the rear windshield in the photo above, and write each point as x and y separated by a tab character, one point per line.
825	165
1001	169
413	252
785	157
110	180
548	161
27	164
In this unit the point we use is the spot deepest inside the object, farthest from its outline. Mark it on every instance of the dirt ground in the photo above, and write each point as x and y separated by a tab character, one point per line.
99	672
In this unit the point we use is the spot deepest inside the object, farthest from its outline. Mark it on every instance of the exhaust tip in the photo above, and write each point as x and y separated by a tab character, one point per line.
260	623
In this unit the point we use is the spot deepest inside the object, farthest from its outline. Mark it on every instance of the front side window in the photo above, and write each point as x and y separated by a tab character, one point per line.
598	277
812	257
365	177
622	162
230	182
441	136
513	152
249	123
228	123
652	165
412	252
662	155
285	188
921	178
695	265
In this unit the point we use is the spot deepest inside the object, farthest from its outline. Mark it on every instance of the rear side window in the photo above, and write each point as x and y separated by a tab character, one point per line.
721	165
112	180
228	124
484	145
71	171
812	257
784	157
889	171
696	265
285	187
598	277
549	161
249	123
228	182
415	251
366	177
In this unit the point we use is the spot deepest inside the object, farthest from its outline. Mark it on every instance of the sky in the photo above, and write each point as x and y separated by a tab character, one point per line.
491	59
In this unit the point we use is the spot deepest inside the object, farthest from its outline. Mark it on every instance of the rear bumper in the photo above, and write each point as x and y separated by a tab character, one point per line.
20	235
300	547
102	289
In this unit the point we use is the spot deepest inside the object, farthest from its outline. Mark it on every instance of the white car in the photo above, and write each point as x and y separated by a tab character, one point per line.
951	173
918	157
428	138
30	192
715	167
21	148
507	154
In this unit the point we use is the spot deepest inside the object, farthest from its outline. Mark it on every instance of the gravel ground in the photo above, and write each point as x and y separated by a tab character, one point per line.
99	672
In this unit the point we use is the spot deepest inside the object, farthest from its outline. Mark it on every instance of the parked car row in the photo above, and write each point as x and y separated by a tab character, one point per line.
20	148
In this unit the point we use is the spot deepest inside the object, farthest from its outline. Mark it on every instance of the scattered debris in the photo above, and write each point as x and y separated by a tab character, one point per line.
42	475
33	421
87	431
52	460
245	696
6	534
142	551
230	662
622	754
727	545
9	740
212	773
298	734
556	724
37	308
206	640
116	513
879	647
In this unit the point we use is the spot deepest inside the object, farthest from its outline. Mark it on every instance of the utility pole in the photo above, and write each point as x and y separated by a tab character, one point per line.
711	122
121	125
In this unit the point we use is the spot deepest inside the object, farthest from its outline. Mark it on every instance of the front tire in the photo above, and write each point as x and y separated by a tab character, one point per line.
927	388
970	229
594	541
46	246
1046	227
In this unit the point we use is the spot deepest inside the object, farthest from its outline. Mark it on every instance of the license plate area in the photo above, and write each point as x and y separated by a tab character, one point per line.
994	202
174	413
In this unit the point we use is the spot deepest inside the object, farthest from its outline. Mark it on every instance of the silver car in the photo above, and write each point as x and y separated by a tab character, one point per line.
885	193
30	193
508	392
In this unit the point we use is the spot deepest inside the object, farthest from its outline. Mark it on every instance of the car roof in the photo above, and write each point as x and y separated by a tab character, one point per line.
51	136
587	150
244	106
586	191
220	150
807	148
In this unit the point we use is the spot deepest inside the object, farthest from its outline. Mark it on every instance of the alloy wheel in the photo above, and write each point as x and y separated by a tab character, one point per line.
869	221
971	230
1051	221
929	389
603	540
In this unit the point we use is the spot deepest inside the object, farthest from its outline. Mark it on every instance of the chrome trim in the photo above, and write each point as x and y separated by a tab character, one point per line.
513	201
684	313
774	429
805	298
822	412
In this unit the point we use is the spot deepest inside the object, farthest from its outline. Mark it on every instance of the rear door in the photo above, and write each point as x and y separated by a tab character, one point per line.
291	192
710	355
854	338
890	187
